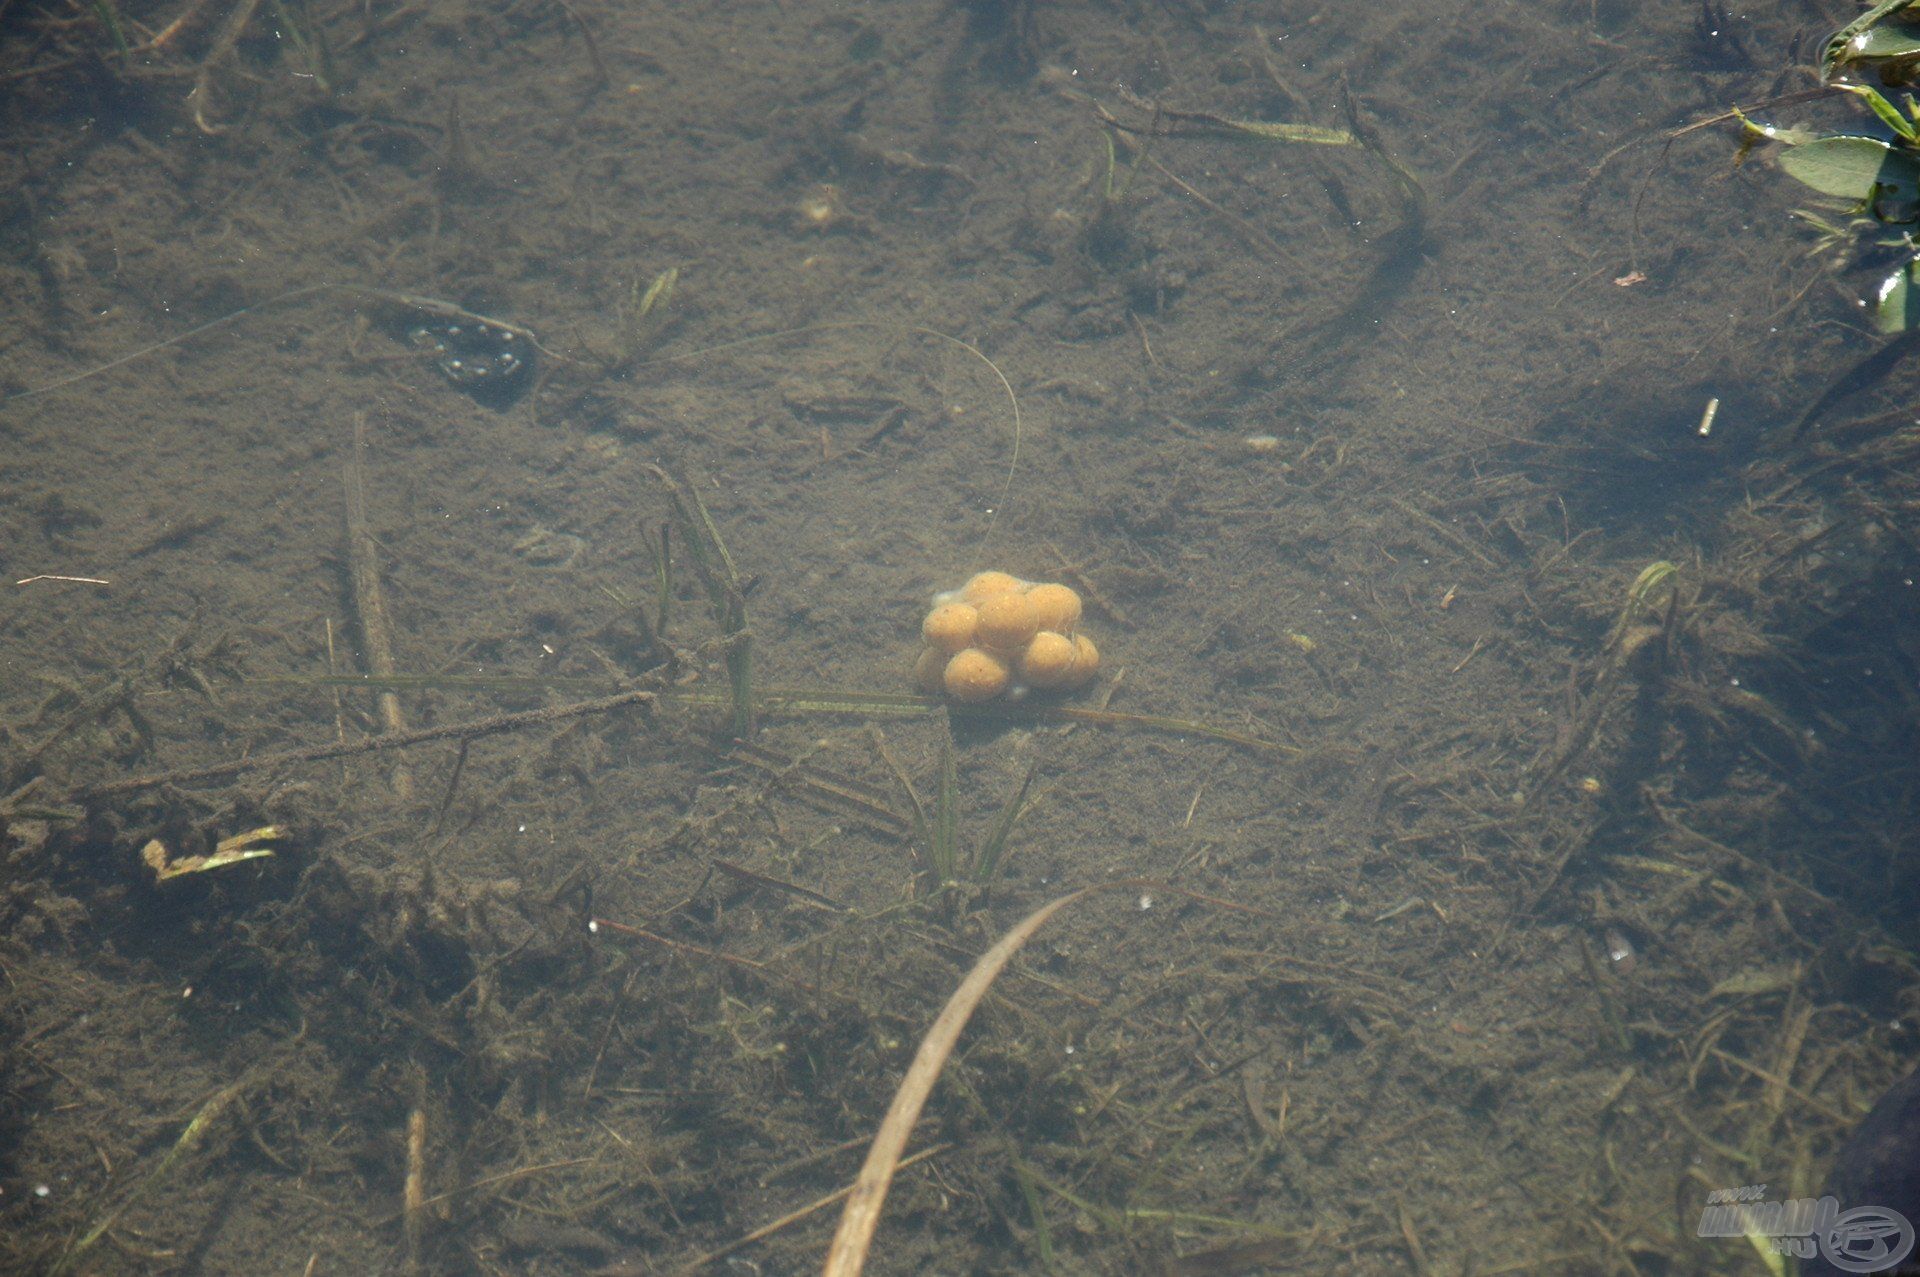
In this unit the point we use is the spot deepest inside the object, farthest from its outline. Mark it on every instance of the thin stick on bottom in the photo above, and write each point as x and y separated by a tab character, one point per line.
413	1192
369	603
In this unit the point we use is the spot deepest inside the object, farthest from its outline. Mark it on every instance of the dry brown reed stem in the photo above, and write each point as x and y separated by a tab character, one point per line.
413	1194
339	709
369	602
848	1254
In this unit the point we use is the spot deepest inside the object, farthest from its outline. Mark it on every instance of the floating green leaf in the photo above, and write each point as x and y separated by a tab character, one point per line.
1849	43
1890	115
1885	42
1863	169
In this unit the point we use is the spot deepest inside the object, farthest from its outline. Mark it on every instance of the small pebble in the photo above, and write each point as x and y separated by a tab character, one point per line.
1620	950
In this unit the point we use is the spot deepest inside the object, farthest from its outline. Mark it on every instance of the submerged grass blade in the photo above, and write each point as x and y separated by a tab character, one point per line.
1112	718
721	579
730	574
946	855
828	700
440	682
797	700
1036	1211
988	861
856	325
189	1140
740	679
662	552
109	17
711	562
922	827
800	700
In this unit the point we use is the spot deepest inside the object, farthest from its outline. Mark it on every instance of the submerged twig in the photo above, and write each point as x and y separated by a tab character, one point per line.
369	601
469	729
413	1193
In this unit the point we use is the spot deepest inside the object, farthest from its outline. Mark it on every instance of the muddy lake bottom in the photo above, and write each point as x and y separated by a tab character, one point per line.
1501	787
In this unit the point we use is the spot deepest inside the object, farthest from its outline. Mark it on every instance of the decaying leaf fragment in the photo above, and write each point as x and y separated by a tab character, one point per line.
228	851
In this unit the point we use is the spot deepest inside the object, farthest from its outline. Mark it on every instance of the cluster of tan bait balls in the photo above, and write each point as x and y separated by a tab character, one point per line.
998	635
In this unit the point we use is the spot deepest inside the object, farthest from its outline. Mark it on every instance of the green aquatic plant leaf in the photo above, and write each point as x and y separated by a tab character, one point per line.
1849	43
988	861
1896	308
1885	42
1890	115
1791	135
1864	169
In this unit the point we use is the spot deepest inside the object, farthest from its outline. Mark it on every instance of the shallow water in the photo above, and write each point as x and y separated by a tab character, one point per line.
1364	452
